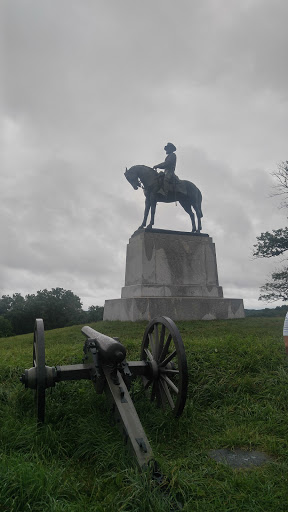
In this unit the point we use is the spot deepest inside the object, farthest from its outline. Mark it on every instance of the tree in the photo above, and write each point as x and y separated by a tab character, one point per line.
13	309
276	243
57	307
272	244
95	313
6	328
281	186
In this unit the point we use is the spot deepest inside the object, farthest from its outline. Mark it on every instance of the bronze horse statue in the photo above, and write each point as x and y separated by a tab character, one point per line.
183	191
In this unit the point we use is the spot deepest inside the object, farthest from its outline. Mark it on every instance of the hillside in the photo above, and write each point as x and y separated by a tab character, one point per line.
238	398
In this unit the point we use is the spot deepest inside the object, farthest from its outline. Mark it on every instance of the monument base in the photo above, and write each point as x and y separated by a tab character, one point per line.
174	274
178	308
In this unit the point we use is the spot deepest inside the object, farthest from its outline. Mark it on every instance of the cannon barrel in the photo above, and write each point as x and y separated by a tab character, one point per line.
110	349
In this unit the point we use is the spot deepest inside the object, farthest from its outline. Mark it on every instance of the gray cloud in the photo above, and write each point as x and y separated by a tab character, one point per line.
93	87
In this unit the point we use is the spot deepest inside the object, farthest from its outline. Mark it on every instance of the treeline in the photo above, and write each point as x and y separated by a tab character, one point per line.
278	311
57	307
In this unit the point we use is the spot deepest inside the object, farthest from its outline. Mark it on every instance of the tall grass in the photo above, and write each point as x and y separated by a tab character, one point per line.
238	398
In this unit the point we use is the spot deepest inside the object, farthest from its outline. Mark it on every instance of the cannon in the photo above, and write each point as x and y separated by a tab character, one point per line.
162	368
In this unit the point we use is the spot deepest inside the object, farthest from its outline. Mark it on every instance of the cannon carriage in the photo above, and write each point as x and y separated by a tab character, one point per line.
162	368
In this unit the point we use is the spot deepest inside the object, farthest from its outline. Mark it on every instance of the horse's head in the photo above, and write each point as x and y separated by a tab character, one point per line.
132	177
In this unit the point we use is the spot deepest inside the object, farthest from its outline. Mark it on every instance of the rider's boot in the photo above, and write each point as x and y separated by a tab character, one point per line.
166	188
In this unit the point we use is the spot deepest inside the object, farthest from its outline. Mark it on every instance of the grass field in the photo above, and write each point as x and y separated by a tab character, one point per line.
238	398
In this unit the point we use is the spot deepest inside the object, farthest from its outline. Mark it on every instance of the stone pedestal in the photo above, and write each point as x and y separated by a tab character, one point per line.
174	274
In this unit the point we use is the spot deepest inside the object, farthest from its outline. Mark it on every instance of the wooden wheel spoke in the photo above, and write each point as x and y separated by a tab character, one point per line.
149	355
170	384
168	370
165	348
168	359
167	394
161	341
152	343
156	339
161	394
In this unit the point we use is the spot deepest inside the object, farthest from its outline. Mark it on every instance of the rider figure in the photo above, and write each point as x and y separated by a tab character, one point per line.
169	167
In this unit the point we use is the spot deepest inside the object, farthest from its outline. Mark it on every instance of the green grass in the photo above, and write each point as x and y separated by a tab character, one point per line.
238	398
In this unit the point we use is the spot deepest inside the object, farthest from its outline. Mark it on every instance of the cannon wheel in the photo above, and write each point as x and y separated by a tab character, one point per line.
39	363
163	349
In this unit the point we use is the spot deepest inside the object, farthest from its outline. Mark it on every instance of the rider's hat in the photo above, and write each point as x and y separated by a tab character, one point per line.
170	146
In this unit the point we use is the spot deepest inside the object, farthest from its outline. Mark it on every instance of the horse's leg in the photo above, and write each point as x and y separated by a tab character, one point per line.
153	203
199	215
198	210
187	207
146	211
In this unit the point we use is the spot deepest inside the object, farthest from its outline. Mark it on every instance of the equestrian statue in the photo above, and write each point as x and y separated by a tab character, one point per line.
166	187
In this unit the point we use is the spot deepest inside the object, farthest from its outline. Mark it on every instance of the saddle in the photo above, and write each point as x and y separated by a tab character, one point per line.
174	184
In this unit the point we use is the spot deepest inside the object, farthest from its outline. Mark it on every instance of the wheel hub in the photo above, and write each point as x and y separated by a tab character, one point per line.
154	369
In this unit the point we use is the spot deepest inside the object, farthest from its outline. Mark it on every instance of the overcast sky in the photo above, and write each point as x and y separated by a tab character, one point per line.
93	86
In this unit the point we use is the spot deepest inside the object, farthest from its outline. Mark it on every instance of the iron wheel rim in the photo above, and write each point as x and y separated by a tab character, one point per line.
39	363
167	381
